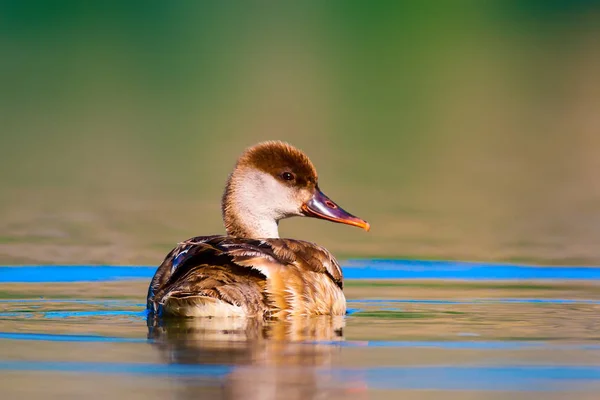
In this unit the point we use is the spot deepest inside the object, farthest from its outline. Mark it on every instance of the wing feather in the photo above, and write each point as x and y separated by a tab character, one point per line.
244	273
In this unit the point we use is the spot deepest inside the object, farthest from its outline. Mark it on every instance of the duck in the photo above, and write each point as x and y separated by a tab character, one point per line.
250	271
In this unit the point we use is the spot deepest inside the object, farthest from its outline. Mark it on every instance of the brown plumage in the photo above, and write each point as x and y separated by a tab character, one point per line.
251	272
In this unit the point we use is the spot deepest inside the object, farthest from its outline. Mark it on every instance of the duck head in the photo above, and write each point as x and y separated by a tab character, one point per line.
272	181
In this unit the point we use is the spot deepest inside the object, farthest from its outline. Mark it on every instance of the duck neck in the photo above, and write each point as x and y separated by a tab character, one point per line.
244	212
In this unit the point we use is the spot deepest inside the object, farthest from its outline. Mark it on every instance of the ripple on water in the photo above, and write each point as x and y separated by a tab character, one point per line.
433	338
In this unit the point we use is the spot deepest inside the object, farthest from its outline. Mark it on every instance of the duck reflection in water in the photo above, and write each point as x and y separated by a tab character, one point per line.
279	359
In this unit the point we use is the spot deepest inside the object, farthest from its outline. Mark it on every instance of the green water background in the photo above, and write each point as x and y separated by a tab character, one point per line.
460	130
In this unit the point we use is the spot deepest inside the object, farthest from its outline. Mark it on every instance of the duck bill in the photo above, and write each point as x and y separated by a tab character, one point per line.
321	206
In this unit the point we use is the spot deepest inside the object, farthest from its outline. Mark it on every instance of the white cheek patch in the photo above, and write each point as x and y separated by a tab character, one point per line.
266	196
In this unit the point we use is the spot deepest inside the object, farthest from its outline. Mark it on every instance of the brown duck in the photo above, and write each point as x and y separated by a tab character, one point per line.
251	272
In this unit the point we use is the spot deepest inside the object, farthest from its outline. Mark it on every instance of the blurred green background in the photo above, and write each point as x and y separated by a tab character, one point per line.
460	130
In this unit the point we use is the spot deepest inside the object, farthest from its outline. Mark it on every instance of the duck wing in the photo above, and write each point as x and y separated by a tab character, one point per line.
226	276
217	271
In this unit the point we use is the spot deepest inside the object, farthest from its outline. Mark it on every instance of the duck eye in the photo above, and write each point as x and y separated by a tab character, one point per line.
287	176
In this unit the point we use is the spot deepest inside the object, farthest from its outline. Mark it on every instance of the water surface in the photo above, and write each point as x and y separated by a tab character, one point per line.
86	334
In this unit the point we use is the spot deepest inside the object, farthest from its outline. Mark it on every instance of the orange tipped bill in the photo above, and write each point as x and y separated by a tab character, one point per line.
321	206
